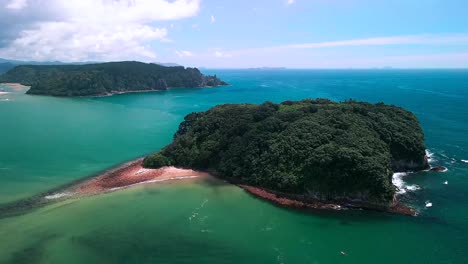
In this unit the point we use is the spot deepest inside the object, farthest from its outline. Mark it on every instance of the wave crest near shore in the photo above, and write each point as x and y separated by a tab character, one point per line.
402	186
58	195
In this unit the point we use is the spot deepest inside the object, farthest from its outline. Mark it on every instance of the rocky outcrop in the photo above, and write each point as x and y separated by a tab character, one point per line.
439	169
213	81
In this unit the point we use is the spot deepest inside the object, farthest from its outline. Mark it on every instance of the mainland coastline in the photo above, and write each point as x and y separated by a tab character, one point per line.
103	79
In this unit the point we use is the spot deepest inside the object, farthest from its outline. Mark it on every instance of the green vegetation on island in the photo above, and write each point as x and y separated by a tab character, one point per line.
105	78
318	149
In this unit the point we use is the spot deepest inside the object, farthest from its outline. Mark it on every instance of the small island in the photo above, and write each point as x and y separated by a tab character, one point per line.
309	153
106	78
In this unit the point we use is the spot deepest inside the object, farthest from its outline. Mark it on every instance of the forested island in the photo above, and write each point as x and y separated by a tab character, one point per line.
106	78
311	150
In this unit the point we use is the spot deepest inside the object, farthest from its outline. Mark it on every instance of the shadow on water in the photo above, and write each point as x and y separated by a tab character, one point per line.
139	246
33	253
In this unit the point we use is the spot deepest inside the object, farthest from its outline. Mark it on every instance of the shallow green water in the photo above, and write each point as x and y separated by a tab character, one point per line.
46	142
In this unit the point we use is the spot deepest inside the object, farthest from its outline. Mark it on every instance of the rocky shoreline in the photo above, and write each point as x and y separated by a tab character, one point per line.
290	201
133	173
112	93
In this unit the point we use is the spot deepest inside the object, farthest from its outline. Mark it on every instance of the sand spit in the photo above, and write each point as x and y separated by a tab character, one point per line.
130	174
15	86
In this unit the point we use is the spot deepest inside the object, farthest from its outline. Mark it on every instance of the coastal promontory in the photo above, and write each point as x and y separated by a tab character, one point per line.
311	150
106	78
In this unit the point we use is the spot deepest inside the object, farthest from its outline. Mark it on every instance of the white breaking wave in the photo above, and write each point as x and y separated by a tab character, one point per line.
58	195
444	170
403	187
430	156
464	161
412	187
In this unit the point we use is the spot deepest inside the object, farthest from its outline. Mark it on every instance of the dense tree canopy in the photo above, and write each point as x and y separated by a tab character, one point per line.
105	78
319	148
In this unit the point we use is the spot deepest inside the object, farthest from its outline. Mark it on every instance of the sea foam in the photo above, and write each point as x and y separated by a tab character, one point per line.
58	195
403	187
430	156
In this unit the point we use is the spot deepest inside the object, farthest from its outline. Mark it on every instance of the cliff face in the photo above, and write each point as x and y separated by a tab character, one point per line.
410	165
161	85
105	78
314	149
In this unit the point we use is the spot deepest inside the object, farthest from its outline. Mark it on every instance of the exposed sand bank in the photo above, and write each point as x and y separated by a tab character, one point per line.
15	86
18	86
128	175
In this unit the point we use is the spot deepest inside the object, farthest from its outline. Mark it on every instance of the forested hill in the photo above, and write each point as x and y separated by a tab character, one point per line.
317	148
105	78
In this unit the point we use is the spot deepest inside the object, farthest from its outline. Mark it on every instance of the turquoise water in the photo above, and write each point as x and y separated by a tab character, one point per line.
46	142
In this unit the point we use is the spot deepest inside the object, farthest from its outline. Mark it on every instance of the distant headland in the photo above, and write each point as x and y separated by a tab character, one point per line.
106	78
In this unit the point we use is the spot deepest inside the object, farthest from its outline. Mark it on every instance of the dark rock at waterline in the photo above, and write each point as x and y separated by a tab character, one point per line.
439	169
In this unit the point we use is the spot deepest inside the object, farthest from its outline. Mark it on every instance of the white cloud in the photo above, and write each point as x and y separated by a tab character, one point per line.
17	4
290	2
78	30
184	53
393	40
424	39
220	54
213	19
129	10
75	42
347	53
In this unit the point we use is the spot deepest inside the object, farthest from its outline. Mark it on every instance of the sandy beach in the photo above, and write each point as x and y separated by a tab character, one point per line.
130	174
15	86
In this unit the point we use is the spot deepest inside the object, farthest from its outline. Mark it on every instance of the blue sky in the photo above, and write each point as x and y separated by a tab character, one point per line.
239	34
